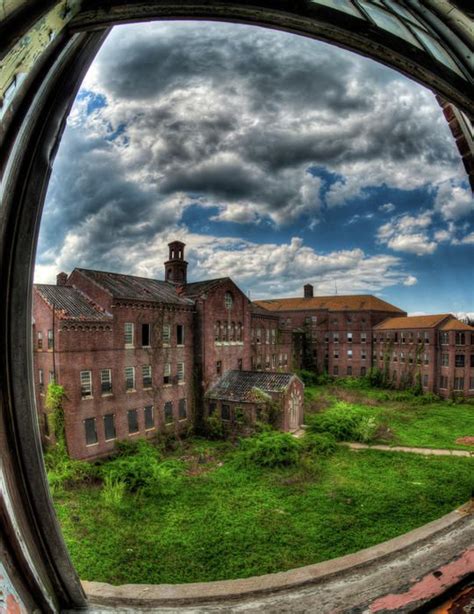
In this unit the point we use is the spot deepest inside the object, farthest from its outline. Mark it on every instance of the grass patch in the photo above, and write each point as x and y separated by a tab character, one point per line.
234	520
404	418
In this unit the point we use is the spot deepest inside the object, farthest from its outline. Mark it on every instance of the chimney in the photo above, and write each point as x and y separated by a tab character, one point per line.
61	279
308	291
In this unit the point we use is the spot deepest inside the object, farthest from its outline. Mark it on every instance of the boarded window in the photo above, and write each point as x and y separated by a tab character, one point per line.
168	412
180	371
90	431
146	338
129	378
109	427
166	334
132	417
86	384
182	409
149	419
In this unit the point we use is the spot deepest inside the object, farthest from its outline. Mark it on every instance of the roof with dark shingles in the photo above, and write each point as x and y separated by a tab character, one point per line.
197	288
136	288
338	302
240	385
71	304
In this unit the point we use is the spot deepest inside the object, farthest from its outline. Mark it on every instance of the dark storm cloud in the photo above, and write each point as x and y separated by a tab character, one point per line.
229	116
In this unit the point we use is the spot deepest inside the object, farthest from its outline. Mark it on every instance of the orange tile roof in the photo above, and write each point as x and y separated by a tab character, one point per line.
430	321
456	324
338	302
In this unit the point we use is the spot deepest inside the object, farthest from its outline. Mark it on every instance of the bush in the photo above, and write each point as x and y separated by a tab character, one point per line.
138	466
345	422
269	449
64	472
113	491
214	428
375	378
323	444
310	378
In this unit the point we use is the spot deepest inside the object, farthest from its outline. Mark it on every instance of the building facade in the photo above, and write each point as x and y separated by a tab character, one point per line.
136	356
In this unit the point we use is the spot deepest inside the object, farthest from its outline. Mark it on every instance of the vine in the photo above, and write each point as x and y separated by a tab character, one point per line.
55	396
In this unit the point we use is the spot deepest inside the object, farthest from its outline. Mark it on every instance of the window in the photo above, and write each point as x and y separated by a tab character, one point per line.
167	373
168	412
132	417
128	334
258	335
335	370
314	319
50	340
228	300
232	332
363	337
426	359
41	380
307	320
40	341
180	371
129	378
336	353
274	332
86	384
239	331
285	359
349	337
445	360
459	383
149	419
363	370
425	380
182	409
109	427
363	354
274	361
51	377
427	337
239	364
335	337
180	334
349	354
395	336
219	367
105	381
349	370
402	356
166	334
444	338
46	424
459	360
472	361
217	331
212	407
460	339
146	375
403	337
443	382
471	383
288	321
146	337
410	337
90	431
225	412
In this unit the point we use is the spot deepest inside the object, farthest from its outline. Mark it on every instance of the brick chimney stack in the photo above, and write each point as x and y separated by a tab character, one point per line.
176	266
61	279
308	291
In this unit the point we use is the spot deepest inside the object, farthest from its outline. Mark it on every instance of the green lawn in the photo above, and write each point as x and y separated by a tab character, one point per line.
437	424
223	521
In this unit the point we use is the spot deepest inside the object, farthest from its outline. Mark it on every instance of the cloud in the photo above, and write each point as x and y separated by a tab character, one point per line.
387	208
453	200
468	239
408	233
411	280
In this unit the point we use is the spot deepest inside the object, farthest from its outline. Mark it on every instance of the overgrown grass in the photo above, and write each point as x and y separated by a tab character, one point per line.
404	418
232	521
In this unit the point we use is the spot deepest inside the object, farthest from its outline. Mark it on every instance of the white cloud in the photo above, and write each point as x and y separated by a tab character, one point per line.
453	201
408	233
387	208
411	280
468	239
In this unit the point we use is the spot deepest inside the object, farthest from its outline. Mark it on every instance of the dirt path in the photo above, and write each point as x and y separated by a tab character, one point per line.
425	451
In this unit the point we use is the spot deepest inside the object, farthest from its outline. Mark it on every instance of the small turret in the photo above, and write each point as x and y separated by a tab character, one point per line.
176	267
308	291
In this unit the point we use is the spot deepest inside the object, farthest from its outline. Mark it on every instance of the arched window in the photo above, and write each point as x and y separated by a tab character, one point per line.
232	332
239	331
217	331
225	332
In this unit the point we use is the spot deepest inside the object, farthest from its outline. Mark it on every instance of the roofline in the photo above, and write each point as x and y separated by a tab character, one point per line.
436	323
59	310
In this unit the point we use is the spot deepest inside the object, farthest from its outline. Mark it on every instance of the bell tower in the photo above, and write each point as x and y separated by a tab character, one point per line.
176	266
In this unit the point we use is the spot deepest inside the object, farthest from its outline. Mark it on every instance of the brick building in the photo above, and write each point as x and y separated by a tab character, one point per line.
437	350
136	356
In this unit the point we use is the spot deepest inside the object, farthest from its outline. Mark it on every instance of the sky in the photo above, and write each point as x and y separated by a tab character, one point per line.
277	159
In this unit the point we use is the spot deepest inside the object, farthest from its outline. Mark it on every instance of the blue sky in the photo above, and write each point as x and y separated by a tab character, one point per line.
278	160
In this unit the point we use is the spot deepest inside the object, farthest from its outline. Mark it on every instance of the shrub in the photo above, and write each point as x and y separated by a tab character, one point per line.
375	378
310	378
215	428
323	444
64	472
269	449
345	422
113	491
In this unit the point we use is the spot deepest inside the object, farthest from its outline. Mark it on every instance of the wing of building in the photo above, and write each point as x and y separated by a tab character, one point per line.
138	356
